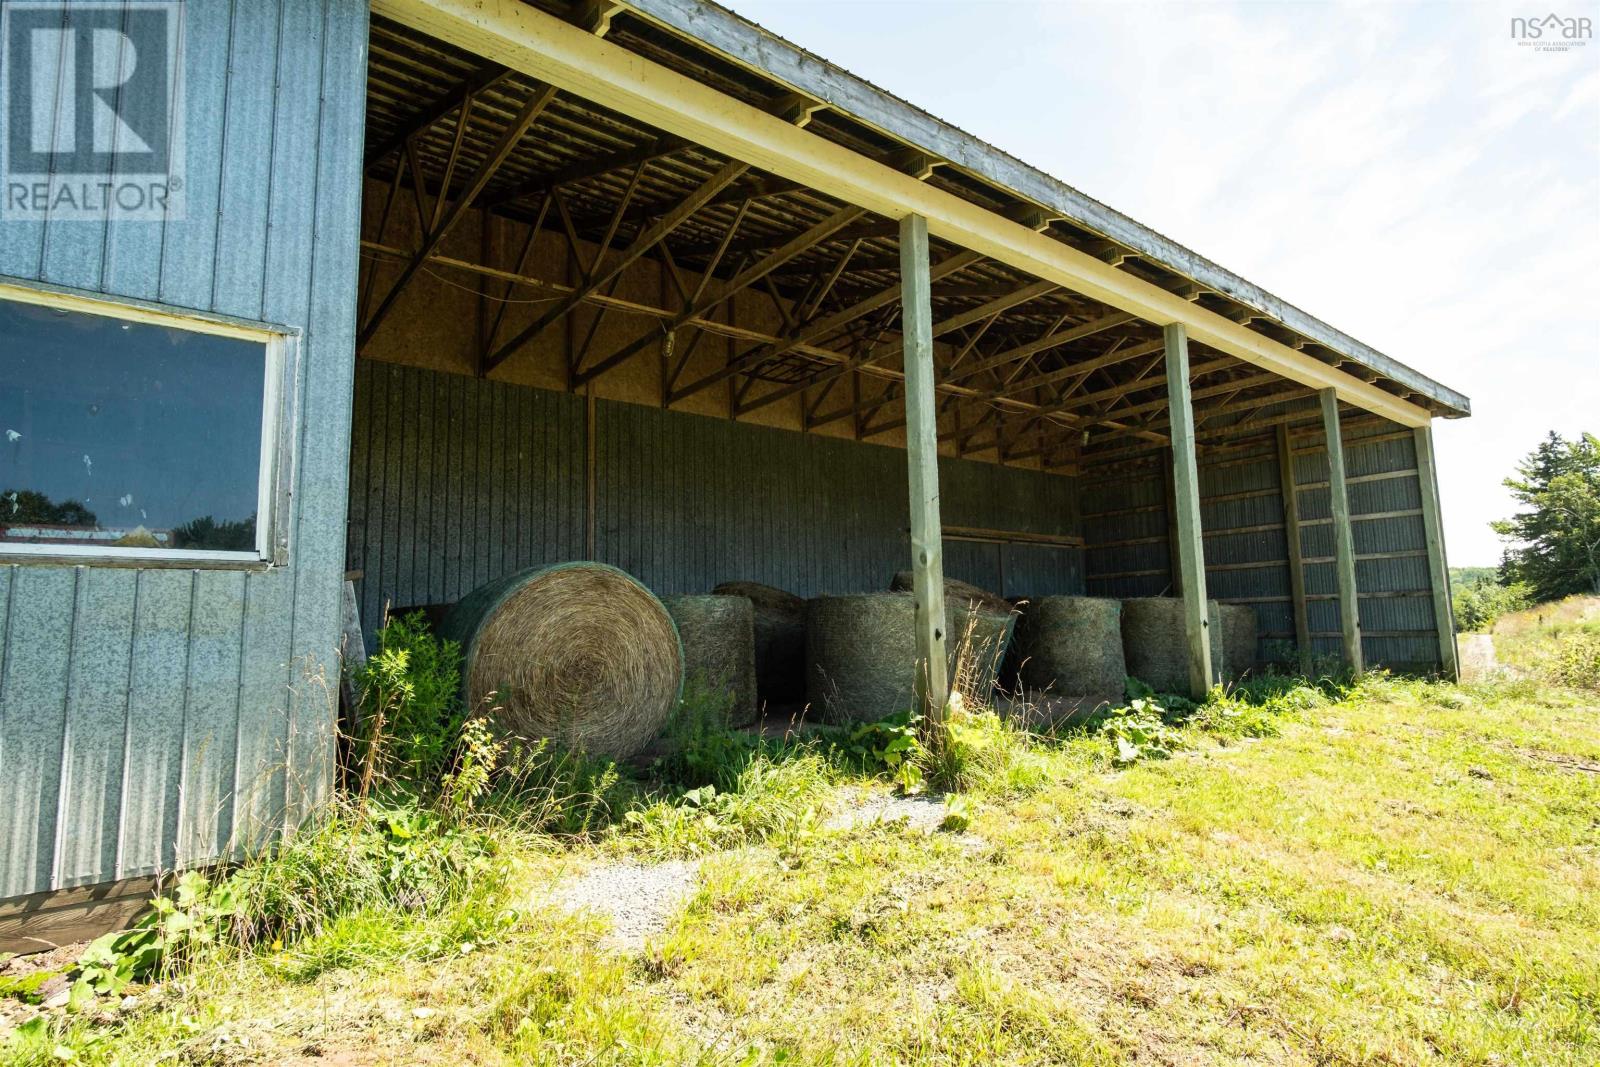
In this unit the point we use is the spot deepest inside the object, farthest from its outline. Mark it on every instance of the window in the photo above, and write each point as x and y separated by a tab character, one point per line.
133	434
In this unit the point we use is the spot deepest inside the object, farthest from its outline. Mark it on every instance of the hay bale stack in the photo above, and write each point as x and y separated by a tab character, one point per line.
1070	648
957	592
578	652
978	640
1238	643
1155	643
780	621
719	648
861	653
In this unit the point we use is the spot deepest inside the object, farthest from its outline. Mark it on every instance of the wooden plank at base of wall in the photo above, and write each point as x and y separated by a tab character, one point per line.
42	921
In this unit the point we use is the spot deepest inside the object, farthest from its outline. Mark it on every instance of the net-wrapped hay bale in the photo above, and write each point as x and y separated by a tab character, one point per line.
1155	642
956	592
780	622
719	648
861	653
977	639
1238	644
1069	648
578	652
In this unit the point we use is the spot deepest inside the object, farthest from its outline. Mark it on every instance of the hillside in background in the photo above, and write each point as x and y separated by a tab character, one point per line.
1463	577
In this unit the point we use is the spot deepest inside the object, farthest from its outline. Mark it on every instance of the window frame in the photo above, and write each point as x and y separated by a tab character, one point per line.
274	490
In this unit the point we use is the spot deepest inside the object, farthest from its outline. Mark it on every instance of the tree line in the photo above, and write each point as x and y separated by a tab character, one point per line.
1552	543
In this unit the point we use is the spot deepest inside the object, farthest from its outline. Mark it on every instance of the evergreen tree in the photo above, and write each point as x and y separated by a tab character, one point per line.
1554	543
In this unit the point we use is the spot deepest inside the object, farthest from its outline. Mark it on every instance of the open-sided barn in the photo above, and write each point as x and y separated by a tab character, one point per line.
457	287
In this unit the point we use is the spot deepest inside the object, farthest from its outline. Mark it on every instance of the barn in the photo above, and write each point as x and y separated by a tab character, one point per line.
427	292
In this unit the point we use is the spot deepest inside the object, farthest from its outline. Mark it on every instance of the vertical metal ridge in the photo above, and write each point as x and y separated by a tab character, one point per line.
63	771
127	732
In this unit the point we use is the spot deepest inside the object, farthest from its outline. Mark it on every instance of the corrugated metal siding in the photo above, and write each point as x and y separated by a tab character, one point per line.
145	715
1396	603
1126	528
1125	533
457	481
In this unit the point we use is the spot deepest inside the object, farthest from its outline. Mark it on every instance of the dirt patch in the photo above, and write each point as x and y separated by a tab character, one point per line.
1477	657
1560	759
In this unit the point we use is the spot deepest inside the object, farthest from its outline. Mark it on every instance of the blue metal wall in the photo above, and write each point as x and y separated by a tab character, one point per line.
1242	517
147	715
456	481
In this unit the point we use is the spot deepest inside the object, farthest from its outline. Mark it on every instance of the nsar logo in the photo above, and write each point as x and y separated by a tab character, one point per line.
1552	33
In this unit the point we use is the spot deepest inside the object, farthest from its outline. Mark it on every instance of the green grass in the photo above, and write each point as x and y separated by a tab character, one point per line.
1409	874
1557	643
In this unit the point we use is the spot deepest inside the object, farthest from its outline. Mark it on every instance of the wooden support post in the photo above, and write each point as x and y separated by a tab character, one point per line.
1344	545
1438	569
1169	500
1291	533
1186	494
922	459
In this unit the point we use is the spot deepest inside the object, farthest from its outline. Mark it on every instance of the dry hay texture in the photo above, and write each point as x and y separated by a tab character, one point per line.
1068	649
719	648
957	591
861	653
780	621
1238	643
578	652
1155	644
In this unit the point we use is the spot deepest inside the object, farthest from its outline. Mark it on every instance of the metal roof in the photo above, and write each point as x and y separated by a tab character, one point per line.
1001	175
1034	369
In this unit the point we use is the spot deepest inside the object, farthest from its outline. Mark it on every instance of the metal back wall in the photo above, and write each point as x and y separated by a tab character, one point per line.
146	715
687	501
1396	604
1126	522
456	481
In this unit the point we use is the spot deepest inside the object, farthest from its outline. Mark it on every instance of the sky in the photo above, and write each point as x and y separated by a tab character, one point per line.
1404	171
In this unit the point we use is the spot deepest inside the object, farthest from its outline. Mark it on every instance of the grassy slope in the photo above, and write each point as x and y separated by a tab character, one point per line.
1413	877
1524	639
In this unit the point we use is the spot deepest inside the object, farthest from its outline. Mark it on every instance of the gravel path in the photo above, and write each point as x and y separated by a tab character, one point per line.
920	813
639	899
1477	656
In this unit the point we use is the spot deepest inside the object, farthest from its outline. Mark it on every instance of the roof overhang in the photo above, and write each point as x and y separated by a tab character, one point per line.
543	46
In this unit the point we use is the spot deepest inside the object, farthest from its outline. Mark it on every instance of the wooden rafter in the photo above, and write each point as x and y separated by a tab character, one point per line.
598	277
747	277
649	152
822	328
423	119
531	110
1053	340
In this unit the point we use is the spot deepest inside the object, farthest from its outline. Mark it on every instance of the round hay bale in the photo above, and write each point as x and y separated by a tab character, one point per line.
780	621
861	653
956	591
1070	648
578	652
1155	643
1238	643
719	648
977	638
